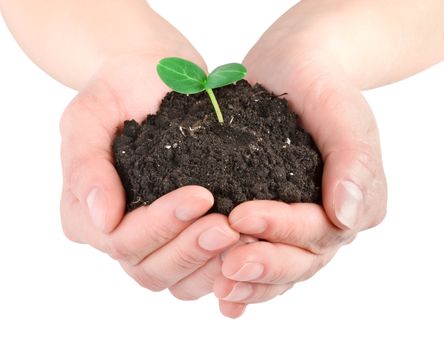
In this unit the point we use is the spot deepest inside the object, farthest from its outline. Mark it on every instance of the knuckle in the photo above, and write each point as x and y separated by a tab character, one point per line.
68	230
187	260
286	288
76	172
317	263
376	190
320	246
277	274
286	230
66	119
130	250
71	115
349	239
118	250
183	294
158	233
265	292
368	161
149	280
329	241
207	277
380	214
319	91
71	235
365	161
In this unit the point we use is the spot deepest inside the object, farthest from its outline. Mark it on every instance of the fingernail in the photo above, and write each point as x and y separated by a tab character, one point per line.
347	203
97	207
248	272
215	238
250	225
240	291
192	208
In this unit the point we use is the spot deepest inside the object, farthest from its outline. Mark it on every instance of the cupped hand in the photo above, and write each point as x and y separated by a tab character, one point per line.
160	244
299	59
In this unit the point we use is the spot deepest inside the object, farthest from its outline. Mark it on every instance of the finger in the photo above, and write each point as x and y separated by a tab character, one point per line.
243	239
96	186
304	225
193	248
271	263
90	179
354	187
199	283
146	229
355	190
335	113
230	309
76	223
248	293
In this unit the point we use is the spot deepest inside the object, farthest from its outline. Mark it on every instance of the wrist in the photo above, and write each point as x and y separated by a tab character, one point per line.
71	40
373	42
335	34
149	41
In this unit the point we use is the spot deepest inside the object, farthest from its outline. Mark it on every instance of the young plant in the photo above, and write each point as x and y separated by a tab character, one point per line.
186	77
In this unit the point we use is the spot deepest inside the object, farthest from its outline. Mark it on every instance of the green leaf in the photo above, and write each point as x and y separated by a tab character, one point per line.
225	75
181	75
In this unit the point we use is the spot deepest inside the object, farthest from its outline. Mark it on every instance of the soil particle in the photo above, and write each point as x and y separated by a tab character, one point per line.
261	152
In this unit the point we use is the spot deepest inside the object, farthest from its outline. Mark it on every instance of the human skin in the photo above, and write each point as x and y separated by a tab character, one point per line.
157	245
322	53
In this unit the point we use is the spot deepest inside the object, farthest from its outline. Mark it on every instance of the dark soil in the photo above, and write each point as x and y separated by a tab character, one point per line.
260	152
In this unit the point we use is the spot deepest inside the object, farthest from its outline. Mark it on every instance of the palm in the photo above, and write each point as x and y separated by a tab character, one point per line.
299	239
334	112
89	124
156	244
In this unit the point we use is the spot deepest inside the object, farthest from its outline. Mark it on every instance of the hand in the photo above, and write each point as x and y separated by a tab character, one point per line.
302	238
157	245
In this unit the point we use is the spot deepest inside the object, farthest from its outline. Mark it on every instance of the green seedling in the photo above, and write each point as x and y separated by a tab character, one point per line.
187	77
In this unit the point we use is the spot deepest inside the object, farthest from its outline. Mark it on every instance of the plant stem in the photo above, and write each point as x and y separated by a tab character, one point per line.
220	118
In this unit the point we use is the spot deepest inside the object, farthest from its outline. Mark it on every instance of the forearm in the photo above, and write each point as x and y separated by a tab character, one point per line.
70	39
376	41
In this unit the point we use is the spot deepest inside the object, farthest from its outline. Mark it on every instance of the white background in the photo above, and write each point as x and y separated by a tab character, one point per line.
385	291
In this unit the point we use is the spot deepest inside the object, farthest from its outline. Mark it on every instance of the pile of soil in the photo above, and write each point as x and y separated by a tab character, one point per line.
260	152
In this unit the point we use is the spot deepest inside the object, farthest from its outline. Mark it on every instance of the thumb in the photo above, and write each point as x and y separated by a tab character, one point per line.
93	192
93	181
344	128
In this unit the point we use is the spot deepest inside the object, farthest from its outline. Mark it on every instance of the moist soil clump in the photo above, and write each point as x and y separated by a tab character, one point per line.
261	151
